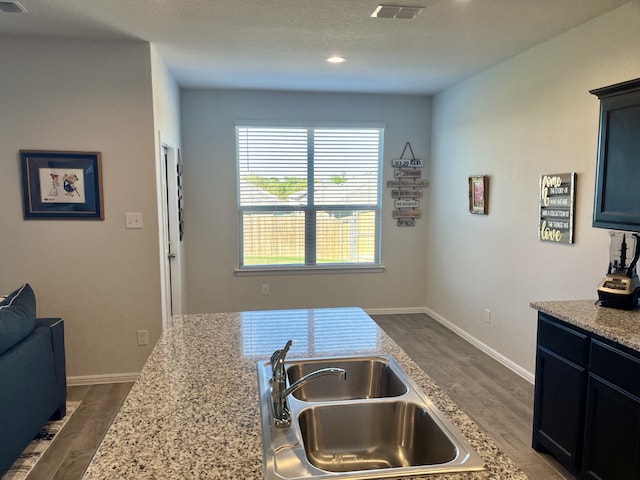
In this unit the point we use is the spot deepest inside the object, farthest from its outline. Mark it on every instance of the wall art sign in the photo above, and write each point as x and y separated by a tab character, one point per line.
403	173
556	204
406	187
61	185
478	194
406	183
407	214
406	222
407	162
407	204
403	193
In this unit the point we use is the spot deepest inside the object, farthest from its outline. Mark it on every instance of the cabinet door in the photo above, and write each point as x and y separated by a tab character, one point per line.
612	432
617	198
558	416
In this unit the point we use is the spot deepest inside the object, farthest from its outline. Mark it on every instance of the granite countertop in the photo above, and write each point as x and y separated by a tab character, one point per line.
194	411
620	326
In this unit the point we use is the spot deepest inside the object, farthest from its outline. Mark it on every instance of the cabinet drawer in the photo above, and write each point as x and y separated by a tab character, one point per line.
562	340
616	366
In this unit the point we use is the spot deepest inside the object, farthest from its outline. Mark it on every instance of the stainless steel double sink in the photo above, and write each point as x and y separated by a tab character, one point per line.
376	423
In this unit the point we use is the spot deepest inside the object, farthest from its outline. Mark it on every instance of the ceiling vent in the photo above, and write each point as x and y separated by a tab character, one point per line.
11	7
396	11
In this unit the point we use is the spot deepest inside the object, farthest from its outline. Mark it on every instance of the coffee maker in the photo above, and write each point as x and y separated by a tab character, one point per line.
621	287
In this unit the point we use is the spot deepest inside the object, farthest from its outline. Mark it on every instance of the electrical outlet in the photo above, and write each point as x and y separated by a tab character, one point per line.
265	289
143	337
133	219
487	316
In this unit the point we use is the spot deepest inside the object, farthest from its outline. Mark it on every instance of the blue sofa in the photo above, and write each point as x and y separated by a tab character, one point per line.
33	385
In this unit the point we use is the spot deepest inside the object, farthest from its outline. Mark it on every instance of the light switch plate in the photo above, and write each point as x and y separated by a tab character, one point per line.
133	219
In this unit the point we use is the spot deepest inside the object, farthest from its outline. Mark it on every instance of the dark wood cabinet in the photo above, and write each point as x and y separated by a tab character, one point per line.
560	392
559	420
587	402
617	197
612	420
612	432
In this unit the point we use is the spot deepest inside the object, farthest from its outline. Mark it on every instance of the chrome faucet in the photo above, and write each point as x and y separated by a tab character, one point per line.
279	392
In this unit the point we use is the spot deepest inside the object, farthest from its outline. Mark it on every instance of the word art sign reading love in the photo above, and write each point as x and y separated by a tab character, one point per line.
557	197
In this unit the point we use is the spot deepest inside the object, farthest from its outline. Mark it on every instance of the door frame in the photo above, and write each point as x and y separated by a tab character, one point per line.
170	242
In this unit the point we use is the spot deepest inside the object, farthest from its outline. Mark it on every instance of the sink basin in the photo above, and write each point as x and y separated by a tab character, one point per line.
376	424
367	377
368	436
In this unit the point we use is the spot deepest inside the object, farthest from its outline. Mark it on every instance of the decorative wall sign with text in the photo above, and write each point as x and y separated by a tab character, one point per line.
556	200
407	187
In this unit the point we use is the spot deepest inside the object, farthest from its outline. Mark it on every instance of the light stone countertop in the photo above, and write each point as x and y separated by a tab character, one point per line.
194	411
620	326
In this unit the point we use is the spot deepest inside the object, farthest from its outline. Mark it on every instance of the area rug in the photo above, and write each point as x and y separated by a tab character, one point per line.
30	456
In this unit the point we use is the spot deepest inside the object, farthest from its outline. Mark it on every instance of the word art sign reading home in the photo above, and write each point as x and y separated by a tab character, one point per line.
557	197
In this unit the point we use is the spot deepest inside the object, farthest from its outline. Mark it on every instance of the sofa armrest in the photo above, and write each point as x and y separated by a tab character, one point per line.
48	322
56	328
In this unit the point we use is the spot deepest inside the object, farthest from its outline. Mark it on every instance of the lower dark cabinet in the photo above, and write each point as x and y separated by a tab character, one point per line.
559	408
587	402
612	432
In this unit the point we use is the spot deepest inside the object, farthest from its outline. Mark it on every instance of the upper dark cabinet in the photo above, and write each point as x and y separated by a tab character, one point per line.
617	194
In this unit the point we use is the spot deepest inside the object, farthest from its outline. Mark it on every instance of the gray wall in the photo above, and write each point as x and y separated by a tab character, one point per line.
211	236
528	116
101	278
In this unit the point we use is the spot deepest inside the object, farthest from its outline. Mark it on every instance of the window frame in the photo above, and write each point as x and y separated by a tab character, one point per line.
311	210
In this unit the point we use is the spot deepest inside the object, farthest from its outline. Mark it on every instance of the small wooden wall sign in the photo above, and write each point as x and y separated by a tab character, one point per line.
406	187
407	214
406	222
407	162
406	193
556	201
406	183
407	204
402	173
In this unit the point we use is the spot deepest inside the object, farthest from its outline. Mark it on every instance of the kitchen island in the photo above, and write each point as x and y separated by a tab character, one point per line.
194	412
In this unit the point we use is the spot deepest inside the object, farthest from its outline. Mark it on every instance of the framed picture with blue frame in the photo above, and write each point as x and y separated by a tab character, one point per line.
61	185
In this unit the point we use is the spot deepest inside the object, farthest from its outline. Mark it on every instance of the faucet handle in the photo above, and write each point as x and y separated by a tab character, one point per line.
278	356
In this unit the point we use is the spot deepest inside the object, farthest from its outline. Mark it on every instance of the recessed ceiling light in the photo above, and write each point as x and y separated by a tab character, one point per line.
396	11
336	59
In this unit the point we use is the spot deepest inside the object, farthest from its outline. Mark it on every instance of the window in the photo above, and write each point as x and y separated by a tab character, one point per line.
309	196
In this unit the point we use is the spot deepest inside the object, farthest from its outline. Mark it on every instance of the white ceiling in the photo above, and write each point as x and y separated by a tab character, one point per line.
282	44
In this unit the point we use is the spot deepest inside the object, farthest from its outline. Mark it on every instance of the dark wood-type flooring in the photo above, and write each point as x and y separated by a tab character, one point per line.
69	456
498	400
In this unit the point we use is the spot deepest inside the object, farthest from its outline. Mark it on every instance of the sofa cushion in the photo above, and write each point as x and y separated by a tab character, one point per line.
17	316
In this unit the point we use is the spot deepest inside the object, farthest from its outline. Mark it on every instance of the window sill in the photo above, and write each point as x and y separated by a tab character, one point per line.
306	270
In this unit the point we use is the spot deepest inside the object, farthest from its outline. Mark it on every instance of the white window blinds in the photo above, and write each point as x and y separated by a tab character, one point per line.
309	195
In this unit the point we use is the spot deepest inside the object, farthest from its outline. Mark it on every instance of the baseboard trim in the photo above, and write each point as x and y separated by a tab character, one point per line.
497	356
395	311
101	379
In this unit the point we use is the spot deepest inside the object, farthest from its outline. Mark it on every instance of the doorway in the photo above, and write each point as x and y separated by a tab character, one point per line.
172	230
